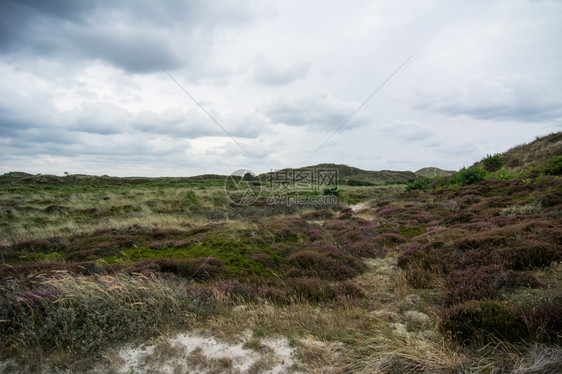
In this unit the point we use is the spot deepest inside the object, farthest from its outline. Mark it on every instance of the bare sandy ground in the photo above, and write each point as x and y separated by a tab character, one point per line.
195	353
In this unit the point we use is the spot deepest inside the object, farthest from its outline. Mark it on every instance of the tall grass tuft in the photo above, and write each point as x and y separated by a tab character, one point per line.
79	315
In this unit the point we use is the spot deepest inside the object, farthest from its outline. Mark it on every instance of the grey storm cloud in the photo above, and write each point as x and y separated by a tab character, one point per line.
124	34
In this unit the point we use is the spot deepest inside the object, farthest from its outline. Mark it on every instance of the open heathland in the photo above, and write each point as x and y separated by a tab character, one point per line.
458	273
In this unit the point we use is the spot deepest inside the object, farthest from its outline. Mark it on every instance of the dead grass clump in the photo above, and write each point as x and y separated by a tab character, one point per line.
314	290
540	359
381	350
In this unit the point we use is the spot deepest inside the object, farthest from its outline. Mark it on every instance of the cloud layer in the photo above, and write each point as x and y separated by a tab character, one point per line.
84	90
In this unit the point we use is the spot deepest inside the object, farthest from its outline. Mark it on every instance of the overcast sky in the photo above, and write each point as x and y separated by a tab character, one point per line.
81	89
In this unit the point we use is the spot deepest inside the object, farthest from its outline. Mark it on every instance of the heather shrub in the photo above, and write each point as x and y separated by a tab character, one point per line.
479	322
88	315
348	291
460	217
552	199
423	265
235	290
46	245
312	289
198	269
473	283
318	214
264	259
485	282
389	239
545	323
326	265
145	268
368	248
530	255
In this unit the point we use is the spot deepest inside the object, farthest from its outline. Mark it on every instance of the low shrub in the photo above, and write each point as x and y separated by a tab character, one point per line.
553	166
480	322
545	323
493	163
348	291
465	177
423	264
198	269
311	289
326	265
389	239
367	248
318	214
422	184
531	254
473	283
86	315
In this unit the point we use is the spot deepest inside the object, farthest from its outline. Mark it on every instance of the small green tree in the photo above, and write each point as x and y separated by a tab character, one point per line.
552	166
493	163
422	184
472	175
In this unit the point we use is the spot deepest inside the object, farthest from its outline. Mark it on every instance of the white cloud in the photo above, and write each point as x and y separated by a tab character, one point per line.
79	91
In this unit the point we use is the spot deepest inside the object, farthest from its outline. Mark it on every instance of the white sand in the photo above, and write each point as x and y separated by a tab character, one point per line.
273	356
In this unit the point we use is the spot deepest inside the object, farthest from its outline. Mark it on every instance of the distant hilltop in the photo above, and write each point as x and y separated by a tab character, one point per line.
523	157
432	172
352	176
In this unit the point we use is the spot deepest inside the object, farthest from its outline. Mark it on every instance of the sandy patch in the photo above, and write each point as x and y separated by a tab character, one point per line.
194	353
358	207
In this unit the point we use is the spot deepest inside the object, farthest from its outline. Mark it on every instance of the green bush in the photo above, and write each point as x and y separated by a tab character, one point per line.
553	166
355	182
331	191
472	175
422	184
493	163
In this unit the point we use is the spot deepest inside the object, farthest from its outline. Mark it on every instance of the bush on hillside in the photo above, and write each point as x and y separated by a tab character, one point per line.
553	166
493	163
465	177
422	184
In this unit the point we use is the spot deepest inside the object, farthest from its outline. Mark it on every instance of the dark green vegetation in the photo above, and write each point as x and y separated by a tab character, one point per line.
460	264
348	175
